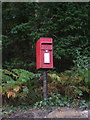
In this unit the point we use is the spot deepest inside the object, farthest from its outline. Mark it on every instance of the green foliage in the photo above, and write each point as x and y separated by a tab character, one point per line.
82	65
66	23
81	61
71	83
19	64
59	100
19	84
25	86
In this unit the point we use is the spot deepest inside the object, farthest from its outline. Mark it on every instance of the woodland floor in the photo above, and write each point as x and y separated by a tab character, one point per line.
53	112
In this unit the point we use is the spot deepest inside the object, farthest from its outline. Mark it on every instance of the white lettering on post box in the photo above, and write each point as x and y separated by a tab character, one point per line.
46	57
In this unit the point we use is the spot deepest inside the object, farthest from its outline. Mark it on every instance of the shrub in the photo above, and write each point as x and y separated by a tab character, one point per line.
19	86
59	100
71	83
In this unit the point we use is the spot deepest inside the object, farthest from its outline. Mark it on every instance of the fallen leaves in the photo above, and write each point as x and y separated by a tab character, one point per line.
13	92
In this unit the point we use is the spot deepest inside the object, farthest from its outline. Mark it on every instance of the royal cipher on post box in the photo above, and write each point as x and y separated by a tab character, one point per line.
44	53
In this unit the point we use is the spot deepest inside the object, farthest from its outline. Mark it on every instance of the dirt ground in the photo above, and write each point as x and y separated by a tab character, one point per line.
53	112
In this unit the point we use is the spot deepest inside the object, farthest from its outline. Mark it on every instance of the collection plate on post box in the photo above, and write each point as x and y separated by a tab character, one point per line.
46	57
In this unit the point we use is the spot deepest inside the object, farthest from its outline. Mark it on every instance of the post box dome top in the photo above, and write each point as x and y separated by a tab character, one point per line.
45	40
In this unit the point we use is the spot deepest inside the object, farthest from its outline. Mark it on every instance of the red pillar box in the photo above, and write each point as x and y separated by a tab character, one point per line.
44	53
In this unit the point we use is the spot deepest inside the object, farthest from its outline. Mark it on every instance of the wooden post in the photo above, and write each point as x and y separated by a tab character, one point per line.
45	86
